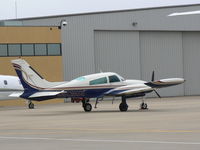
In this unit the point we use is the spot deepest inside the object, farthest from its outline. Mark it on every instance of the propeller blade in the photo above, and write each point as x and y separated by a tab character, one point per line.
152	76
157	94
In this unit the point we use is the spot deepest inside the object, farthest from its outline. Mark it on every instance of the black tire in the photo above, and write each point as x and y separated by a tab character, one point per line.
144	106
87	107
31	105
123	107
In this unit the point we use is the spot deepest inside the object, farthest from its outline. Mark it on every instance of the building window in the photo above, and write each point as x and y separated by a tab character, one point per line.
43	49
40	49
27	50
54	49
3	50
14	50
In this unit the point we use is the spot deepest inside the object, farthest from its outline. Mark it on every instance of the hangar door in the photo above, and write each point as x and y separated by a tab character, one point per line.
162	52
191	48
117	51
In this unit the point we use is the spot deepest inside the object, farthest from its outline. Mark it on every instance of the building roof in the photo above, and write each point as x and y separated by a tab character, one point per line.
103	12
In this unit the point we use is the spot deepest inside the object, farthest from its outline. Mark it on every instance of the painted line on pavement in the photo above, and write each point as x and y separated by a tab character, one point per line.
104	141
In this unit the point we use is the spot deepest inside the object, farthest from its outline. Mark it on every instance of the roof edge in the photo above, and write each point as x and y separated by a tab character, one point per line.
101	12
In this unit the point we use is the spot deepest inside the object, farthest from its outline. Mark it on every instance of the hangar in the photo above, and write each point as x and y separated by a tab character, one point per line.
132	43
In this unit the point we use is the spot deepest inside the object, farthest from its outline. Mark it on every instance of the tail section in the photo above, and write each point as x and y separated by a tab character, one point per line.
29	78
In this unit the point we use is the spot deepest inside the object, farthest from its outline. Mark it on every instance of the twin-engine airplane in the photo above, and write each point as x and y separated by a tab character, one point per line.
96	85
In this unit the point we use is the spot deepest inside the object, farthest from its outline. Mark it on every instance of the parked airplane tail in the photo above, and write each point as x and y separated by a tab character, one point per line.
29	78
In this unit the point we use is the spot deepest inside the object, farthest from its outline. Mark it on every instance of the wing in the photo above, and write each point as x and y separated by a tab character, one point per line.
136	91
130	90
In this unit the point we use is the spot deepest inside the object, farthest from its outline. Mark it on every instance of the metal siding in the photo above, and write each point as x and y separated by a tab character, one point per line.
162	52
151	19
191	47
118	51
78	52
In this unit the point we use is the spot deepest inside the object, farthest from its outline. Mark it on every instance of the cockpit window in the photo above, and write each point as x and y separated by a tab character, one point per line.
122	79
80	79
113	78
5	82
99	81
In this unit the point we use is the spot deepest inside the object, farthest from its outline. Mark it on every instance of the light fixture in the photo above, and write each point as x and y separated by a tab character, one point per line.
62	23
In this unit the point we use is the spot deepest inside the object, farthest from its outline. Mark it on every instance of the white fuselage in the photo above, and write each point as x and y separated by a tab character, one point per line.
9	85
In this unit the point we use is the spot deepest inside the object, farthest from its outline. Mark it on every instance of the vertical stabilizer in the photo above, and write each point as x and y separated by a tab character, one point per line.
30	79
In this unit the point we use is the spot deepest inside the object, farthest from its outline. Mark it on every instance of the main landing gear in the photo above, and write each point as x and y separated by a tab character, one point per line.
31	105
123	105
86	105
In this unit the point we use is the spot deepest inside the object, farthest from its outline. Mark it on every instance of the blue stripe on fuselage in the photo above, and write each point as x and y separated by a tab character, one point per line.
85	93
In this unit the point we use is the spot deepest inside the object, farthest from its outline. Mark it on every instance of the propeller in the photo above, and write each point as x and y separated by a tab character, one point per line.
152	80
152	76
157	93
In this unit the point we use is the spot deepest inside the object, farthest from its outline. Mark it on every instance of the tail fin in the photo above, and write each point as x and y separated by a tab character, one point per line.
29	78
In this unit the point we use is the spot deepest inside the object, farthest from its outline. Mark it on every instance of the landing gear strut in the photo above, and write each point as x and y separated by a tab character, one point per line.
86	105
30	105
123	105
143	105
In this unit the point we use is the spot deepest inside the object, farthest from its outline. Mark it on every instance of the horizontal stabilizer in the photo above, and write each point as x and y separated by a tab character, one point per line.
16	94
44	94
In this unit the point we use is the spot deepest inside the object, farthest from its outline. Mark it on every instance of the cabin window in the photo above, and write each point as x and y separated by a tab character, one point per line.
5	82
99	81
113	78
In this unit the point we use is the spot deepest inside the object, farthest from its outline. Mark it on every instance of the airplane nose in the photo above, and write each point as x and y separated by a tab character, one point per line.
181	80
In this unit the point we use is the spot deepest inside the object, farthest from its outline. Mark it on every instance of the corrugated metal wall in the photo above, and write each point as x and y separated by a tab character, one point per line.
118	51
162	52
191	48
136	54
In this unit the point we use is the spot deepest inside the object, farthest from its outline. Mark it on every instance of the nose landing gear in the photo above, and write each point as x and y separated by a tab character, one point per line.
143	105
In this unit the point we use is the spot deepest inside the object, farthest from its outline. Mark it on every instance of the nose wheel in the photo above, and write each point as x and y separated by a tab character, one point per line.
143	105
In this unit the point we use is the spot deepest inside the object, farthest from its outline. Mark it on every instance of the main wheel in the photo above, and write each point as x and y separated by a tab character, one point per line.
87	107
123	107
31	105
